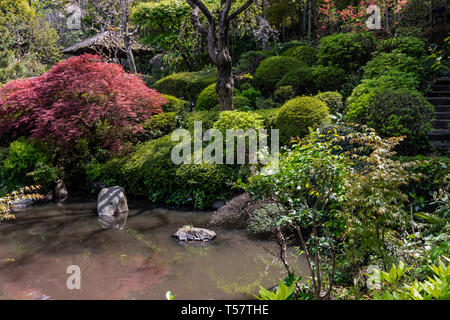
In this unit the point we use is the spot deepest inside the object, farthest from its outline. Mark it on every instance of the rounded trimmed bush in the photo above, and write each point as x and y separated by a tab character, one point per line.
271	70
333	100
394	113
175	105
386	63
328	78
306	54
241	102
284	93
299	114
208	118
208	99
300	79
349	51
186	85
161	124
238	120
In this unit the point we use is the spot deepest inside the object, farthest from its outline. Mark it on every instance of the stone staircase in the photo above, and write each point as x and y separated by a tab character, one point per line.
440	98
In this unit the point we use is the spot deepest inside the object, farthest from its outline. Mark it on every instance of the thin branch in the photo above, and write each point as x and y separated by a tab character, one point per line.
240	10
203	9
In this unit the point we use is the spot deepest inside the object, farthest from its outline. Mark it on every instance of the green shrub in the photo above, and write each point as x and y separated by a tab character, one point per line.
161	124
305	54
268	116
271	70
251	94
386	63
250	60
238	120
346	50
284	93
411	46
208	118
328	78
300	79
394	113
297	115
208	99
186	85
202	184
360	94
175	105
242	103
333	100
26	164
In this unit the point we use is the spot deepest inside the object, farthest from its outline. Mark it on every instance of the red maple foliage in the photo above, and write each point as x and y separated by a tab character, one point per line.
78	98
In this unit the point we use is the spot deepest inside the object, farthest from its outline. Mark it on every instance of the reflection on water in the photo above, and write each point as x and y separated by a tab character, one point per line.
141	261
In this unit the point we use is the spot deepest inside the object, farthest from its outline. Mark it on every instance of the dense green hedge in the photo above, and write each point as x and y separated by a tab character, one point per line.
271	70
411	46
186	85
300	79
387	63
394	113
349	51
333	100
250	60
328	78
161	124
297	115
208	98
306	54
175	105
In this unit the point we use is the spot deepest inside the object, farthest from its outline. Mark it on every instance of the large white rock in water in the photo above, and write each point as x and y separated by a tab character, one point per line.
112	208
189	233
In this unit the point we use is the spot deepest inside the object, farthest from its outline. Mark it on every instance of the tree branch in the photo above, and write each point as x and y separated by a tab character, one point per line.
198	4
240	10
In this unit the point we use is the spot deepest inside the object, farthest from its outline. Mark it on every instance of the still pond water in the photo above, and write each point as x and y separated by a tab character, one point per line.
141	261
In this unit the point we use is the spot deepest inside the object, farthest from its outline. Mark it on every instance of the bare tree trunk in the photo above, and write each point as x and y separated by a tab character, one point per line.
309	19
125	6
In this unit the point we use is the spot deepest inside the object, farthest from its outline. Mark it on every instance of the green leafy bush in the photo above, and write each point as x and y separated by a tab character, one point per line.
297	115
284	93
161	124
306	54
250	60
411	46
186	85
393	113
175	105
271	70
208	118
238	120
251	94
300	79
333	100
386	63
329	78
268	116
208	99
241	103
26	164
346	50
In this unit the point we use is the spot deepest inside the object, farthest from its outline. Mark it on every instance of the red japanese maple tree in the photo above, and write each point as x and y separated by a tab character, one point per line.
77	98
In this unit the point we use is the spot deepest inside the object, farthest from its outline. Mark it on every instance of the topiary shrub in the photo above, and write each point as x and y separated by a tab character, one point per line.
284	93
161	124
241	103
349	51
175	105
386	63
411	46
268	116
186	85
328	78
271	70
360	94
306	54
204	183
251	94
333	100
300	79
299	114
208	99
208	118
238	120
250	60
393	113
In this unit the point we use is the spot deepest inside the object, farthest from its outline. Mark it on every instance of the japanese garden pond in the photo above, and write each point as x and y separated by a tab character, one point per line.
142	261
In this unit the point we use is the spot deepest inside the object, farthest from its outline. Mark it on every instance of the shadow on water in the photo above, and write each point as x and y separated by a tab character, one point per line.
141	261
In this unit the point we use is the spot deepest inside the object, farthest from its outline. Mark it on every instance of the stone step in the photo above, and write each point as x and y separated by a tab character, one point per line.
436	93
440	87
442	115
439	101
440	144
441	124
439	134
440	109
442	81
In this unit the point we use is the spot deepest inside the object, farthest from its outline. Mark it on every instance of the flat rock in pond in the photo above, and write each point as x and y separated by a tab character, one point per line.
194	234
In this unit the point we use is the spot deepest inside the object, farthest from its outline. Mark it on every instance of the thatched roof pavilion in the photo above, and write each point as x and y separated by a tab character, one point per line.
109	42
